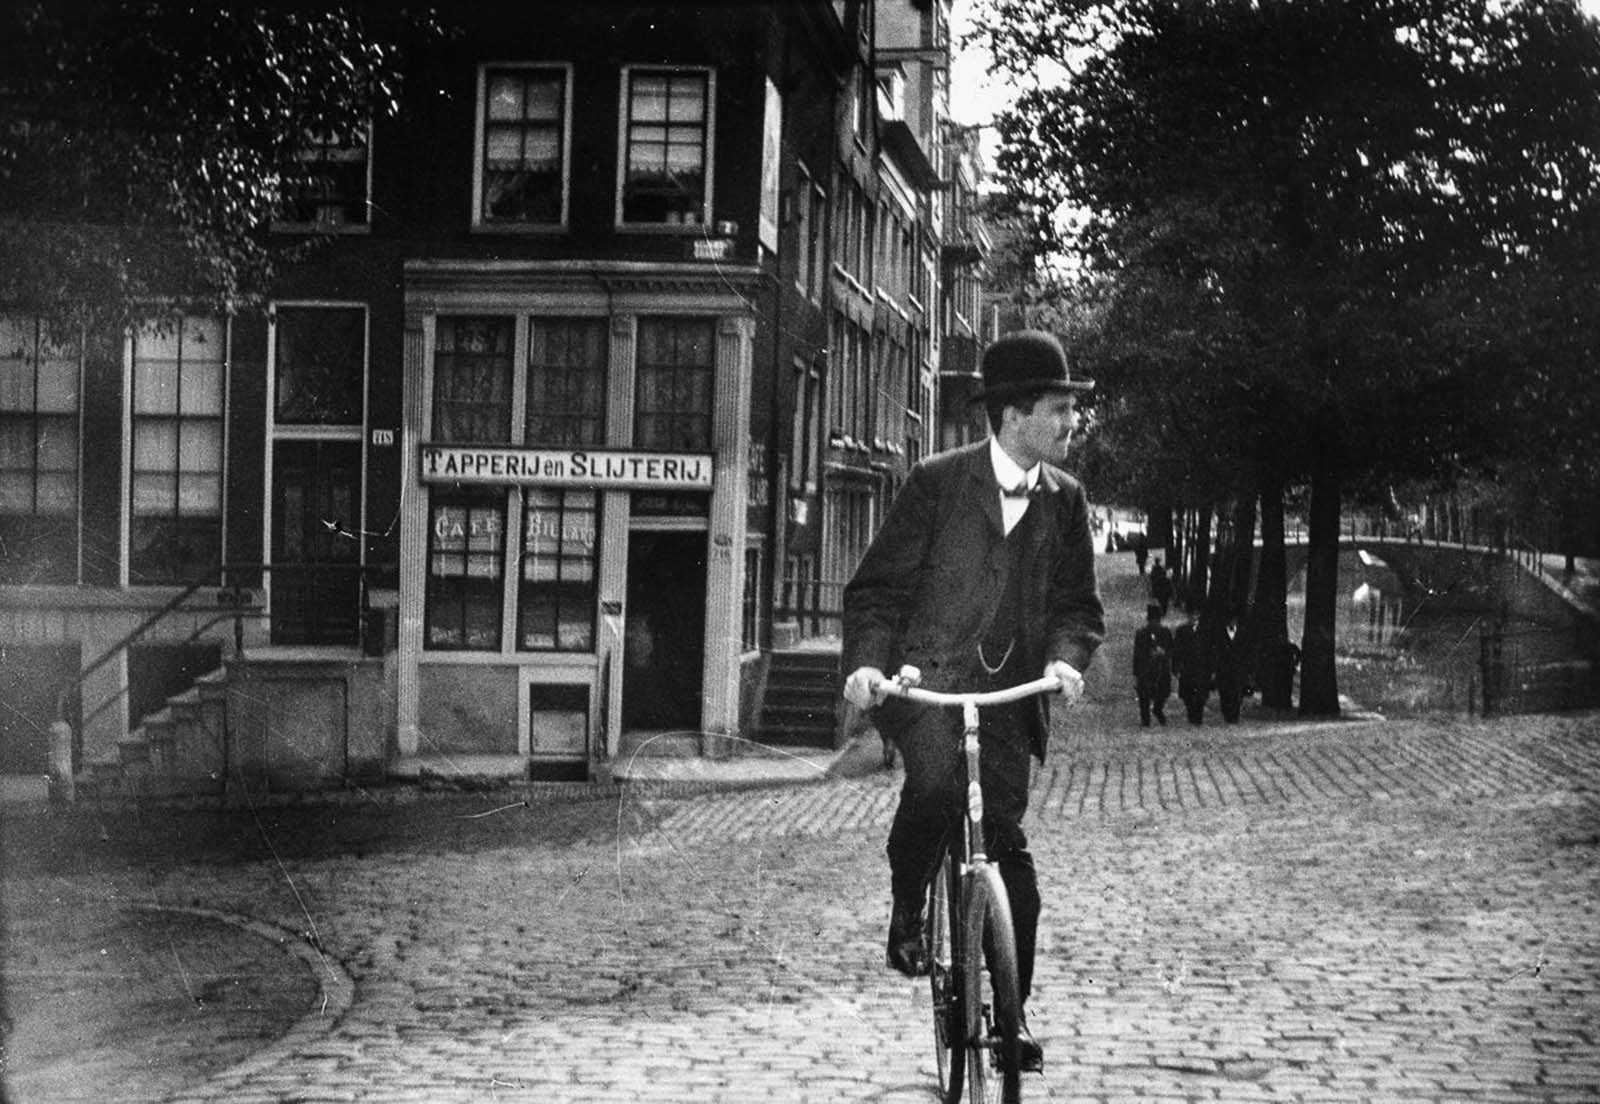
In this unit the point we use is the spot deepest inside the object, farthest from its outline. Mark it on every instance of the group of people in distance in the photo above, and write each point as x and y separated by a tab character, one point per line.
1203	654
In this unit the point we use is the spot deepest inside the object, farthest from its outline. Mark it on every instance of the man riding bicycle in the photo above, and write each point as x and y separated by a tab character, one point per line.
982	576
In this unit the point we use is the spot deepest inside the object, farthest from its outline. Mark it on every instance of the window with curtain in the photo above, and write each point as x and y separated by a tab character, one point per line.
331	187
524	145
560	557
673	399
40	400
472	369
567	362
668	145
466	568
175	512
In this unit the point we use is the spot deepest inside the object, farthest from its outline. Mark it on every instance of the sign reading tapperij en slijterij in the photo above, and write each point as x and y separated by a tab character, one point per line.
603	468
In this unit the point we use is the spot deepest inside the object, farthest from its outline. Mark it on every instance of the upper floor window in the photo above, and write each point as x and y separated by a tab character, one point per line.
524	120
673	402
175	512
472	369
567	364
667	147
333	188
40	399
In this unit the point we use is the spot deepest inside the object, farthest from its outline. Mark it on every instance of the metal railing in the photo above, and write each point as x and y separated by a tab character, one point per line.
815	604
1536	669
235	601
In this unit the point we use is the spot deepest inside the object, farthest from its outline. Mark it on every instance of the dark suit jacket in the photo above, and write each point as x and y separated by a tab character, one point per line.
1152	656
928	586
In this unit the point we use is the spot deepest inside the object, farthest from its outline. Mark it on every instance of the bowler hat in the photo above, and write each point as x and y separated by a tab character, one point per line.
1026	361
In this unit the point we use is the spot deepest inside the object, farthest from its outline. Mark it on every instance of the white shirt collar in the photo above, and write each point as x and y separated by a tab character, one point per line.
1006	471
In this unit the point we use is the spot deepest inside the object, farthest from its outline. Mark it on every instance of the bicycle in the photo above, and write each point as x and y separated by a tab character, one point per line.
976	1001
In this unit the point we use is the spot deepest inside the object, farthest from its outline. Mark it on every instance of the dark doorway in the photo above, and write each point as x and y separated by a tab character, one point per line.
664	644
316	542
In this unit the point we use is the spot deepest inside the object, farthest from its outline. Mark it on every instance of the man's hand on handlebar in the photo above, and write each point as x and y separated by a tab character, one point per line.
860	689
1071	679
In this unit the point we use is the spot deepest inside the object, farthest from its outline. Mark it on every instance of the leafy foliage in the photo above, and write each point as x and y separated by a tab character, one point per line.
1349	241
146	144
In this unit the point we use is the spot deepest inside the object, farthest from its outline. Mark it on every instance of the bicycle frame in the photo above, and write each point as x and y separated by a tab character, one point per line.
970	1033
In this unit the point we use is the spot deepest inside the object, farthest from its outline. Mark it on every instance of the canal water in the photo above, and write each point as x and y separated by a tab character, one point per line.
1404	650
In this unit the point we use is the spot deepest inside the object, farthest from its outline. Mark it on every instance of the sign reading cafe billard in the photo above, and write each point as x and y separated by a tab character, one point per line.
596	468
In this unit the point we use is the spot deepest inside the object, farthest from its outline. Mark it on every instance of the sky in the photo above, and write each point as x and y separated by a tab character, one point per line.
976	98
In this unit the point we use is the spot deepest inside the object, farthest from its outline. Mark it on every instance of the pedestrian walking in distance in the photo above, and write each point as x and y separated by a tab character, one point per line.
1152	666
1232	669
1191	662
982	577
1160	585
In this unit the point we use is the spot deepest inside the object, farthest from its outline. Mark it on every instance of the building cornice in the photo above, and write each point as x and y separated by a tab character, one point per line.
722	286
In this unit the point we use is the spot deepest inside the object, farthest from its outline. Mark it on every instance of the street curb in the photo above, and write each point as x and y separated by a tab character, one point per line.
334	985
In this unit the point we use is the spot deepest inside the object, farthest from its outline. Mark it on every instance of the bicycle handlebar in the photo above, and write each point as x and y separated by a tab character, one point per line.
904	686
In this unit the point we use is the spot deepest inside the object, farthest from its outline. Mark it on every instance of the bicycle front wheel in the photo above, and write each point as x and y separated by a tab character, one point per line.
945	977
992	1004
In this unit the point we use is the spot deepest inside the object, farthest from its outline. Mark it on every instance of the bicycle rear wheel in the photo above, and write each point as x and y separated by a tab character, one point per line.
945	977
992	1005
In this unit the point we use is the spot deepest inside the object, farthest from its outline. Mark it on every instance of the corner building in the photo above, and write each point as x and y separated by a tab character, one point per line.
607	352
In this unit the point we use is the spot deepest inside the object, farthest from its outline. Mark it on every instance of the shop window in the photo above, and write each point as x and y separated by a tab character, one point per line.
523	148
320	357
179	379
567	364
466	557
560	553
40	398
472	370
673	402
332	188
668	134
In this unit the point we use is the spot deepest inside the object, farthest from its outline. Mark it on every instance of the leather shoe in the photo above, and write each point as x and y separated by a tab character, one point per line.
908	953
1030	1055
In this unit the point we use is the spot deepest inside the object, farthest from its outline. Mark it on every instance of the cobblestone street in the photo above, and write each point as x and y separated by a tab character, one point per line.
1338	913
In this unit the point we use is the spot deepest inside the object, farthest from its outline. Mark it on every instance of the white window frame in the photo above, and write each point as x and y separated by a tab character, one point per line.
481	222
125	509
320	226
625	85
40	339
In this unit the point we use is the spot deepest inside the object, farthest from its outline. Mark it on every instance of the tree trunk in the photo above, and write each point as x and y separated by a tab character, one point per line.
1159	528
1199	550
1175	563
1241	558
1319	686
1270	609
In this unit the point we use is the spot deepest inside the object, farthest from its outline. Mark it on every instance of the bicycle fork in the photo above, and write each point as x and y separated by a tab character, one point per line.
975	849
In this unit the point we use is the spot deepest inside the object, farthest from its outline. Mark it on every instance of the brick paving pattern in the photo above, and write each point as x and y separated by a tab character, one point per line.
1354	912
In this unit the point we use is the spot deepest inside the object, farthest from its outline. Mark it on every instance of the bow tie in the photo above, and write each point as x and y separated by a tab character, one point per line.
1021	490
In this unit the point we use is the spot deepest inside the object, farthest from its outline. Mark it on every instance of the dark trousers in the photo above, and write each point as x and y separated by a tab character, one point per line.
932	804
1194	693
1153	695
1230	696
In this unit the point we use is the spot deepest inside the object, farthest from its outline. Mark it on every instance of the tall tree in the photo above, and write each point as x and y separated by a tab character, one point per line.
146	144
1328	198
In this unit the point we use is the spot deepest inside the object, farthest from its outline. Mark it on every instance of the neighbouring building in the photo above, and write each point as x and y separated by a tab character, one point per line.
622	334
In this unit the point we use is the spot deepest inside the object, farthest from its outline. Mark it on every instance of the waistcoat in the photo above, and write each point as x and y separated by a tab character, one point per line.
1000	639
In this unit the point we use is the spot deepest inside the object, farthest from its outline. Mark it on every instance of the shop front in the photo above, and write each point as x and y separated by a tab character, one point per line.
573	515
